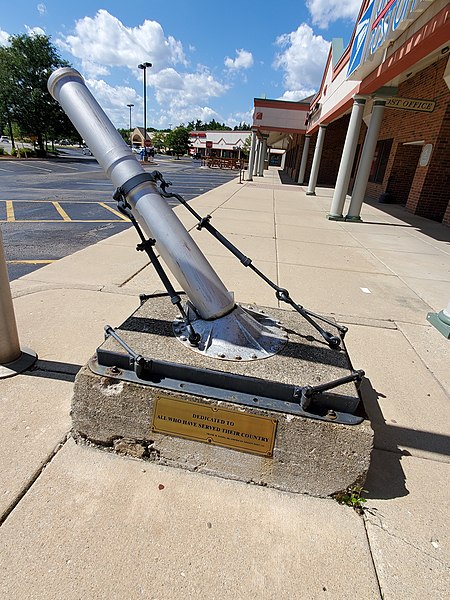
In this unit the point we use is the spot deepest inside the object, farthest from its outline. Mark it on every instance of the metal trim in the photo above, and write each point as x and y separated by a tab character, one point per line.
227	387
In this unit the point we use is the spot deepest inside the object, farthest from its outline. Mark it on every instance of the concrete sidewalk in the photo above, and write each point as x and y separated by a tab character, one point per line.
79	523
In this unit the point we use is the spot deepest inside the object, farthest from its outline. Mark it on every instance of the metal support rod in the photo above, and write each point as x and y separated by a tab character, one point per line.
146	245
281	293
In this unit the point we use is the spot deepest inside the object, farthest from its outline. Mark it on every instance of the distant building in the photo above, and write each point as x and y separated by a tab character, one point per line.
217	143
379	127
138	136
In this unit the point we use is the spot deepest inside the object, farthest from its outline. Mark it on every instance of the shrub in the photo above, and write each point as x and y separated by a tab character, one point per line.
2	151
23	152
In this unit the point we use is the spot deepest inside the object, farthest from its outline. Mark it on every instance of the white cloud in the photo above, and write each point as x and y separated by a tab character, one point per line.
103	43
296	95
302	59
42	9
34	30
175	115
114	100
324	12
241	117
184	89
4	35
104	40
243	60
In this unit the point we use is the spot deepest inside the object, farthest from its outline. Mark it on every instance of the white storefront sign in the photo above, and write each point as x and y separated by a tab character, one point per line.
382	22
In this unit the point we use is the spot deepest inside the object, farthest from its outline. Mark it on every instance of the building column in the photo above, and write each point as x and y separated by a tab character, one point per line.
283	161
301	173
316	161
347	158
262	157
257	154
251	158
365	162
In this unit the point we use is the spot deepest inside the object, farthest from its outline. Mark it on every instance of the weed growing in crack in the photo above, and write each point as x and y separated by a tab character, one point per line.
353	497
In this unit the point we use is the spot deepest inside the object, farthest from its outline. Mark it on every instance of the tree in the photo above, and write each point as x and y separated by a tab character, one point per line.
25	66
242	127
178	140
125	133
159	140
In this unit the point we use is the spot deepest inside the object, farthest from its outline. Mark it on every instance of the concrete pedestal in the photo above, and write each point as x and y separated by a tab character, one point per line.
309	456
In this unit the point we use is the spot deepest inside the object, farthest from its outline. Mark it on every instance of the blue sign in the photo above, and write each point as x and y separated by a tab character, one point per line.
360	39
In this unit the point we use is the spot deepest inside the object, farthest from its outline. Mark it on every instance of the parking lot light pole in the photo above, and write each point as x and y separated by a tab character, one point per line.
144	67
130	106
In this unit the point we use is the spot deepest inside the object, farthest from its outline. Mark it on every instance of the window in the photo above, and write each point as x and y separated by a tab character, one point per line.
380	159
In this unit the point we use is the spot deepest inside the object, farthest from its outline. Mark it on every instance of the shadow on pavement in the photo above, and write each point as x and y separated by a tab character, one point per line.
51	369
386	478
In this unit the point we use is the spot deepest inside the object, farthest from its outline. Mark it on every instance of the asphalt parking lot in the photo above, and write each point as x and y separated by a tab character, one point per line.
52	208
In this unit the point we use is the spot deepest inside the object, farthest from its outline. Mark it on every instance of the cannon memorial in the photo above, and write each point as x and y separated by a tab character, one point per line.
196	380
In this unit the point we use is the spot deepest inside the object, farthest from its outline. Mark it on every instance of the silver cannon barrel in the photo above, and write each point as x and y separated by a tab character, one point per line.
225	330
185	260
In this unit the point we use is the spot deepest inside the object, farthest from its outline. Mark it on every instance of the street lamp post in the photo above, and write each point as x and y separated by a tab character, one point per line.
130	106
144	66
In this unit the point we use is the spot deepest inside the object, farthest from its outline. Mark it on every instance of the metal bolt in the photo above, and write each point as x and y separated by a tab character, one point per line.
238	357
331	415
183	338
221	355
253	356
113	370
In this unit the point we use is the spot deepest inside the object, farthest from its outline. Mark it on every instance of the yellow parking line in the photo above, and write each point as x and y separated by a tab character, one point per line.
60	221
30	262
114	212
61	211
10	211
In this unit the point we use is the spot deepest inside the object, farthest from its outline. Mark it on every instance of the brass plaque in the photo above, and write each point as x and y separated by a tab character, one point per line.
212	425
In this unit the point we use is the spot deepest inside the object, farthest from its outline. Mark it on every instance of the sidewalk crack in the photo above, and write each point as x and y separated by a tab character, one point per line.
35	476
401	539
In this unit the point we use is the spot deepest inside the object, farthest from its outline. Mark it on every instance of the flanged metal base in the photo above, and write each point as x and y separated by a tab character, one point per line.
27	358
244	334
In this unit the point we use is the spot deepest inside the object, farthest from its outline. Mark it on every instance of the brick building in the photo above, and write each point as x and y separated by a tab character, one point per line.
379	127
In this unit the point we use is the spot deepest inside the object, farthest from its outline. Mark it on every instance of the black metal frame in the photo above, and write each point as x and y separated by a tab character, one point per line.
309	401
313	402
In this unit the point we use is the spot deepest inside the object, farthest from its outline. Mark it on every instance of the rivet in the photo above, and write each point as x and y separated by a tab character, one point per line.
183	338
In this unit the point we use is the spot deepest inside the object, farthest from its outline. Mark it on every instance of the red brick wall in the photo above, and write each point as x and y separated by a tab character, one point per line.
332	151
430	183
435	194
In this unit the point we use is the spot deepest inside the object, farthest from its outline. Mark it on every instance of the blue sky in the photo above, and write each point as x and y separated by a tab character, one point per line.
210	59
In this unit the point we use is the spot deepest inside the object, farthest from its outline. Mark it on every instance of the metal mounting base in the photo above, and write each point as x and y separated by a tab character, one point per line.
24	362
244	334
